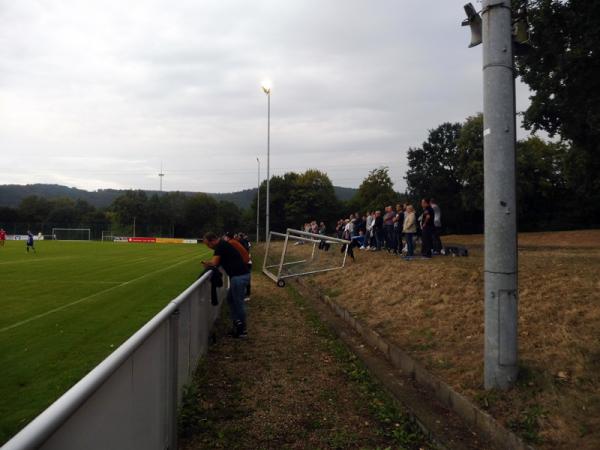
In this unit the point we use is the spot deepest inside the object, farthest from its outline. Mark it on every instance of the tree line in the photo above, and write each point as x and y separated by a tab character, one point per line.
132	213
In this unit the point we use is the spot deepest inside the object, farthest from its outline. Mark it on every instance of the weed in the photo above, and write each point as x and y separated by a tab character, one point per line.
191	416
527	424
487	399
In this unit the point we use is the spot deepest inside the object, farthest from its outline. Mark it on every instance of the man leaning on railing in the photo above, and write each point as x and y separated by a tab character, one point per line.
230	260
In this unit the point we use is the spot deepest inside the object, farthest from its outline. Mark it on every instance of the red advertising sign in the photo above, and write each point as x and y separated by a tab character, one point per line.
142	240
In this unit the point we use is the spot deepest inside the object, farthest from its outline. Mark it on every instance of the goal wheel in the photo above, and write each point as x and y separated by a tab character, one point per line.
281	283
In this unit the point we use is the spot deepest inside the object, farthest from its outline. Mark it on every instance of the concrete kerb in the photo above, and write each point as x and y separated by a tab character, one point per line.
456	402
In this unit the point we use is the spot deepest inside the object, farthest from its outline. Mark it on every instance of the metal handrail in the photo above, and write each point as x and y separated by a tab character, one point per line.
47	422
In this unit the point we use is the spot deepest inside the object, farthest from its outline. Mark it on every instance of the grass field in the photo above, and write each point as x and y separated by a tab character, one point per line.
68	306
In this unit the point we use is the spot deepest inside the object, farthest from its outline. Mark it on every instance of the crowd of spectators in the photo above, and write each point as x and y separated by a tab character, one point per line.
397	230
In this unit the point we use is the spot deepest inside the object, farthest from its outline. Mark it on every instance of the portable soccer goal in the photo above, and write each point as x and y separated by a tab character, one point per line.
297	253
71	234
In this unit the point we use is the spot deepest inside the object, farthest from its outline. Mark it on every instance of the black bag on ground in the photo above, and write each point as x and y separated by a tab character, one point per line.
456	250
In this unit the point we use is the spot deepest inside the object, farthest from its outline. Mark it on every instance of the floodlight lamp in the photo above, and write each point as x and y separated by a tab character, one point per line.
473	20
266	86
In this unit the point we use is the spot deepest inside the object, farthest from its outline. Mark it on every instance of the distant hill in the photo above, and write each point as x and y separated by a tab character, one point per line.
12	194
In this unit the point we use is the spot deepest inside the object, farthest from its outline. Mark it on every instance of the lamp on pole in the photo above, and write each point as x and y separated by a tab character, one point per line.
258	202
266	87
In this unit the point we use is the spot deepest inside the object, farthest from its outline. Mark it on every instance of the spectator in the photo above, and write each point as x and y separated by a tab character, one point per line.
230	260
339	228
358	224
398	226
348	228
322	228
388	228
437	228
314	228
378	230
409	229
245	254
369	230
426	228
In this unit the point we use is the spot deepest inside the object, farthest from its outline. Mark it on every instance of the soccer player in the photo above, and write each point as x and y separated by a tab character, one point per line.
229	258
2	237
29	243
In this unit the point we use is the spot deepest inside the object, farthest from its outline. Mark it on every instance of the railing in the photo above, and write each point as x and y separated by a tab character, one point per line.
130	400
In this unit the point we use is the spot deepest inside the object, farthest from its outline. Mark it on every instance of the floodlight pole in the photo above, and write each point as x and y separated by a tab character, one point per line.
499	134
268	92
258	203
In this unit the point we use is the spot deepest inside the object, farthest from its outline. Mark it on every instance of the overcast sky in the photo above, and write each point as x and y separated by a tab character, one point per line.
96	94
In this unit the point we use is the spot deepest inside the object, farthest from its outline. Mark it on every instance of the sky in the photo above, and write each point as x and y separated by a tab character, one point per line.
100	94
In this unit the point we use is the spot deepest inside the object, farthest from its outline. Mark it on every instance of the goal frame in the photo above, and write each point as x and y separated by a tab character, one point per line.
89	233
107	236
304	236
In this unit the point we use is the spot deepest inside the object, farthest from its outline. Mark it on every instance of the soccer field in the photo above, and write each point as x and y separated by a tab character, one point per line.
69	305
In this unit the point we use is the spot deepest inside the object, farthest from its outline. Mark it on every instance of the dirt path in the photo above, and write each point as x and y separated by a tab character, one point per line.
291	384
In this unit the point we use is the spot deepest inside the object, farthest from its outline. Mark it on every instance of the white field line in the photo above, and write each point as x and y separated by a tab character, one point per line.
34	259
125	283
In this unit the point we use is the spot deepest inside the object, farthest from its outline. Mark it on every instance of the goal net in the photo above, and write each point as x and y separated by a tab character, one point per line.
71	234
297	253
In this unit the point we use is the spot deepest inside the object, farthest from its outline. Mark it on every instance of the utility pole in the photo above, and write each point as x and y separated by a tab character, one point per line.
499	134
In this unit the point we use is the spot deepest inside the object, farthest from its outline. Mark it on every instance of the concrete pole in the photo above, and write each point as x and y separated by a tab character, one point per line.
268	162
501	289
258	203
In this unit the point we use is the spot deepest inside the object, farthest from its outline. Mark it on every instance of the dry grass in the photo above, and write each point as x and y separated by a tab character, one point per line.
434	309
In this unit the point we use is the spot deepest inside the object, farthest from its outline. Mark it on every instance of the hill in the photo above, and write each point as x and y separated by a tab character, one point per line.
12	194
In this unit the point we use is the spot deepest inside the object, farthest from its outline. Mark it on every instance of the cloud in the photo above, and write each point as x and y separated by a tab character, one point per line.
111	89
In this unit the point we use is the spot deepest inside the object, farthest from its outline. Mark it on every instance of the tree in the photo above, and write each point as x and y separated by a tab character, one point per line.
562	67
201	214
129	206
311	197
8	215
83	210
434	172
63	213
280	191
541	186
375	192
174	204
34	209
229	216
469	146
